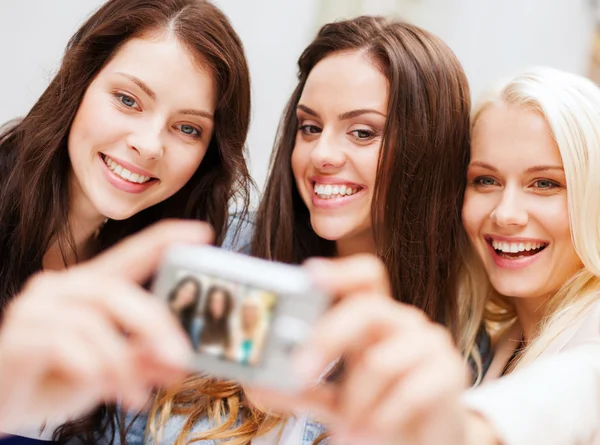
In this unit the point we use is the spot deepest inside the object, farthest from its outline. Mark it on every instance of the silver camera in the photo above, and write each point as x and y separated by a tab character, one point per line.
244	315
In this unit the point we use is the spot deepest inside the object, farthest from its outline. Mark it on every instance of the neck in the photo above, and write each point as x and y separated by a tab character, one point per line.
530	312
363	243
84	222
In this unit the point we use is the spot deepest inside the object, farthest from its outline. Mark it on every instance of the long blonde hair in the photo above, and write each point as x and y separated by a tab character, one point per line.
570	104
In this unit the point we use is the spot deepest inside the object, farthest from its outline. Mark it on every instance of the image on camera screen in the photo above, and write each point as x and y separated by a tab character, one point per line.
228	320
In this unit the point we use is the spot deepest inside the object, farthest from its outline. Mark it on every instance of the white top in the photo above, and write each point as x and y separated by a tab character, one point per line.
555	400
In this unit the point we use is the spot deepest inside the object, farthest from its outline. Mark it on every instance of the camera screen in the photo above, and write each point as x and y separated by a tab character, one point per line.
228	320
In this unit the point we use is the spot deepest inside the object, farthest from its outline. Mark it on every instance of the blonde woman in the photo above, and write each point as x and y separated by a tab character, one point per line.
249	334
531	214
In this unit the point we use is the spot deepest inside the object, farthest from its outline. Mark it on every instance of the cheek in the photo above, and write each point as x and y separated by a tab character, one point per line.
181	166
97	123
473	214
553	215
300	157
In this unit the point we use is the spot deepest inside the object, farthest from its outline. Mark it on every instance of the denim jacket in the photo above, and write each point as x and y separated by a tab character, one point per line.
136	434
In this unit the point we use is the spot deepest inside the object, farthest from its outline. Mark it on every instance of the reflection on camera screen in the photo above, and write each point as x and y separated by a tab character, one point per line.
225	319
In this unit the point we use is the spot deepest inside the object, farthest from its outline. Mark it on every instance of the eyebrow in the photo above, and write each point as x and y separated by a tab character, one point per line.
146	89
534	169
344	116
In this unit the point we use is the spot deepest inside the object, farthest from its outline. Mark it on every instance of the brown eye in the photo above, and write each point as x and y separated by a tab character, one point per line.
309	129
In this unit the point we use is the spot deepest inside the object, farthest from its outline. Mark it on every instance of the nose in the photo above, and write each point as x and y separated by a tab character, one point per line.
147	141
327	153
510	210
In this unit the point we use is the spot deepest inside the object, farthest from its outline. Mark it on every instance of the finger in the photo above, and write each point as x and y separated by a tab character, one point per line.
146	319
153	372
341	277
385	365
352	326
319	401
139	255
372	374
416	398
114	353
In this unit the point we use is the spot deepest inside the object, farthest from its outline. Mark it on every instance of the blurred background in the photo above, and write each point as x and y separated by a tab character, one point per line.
492	39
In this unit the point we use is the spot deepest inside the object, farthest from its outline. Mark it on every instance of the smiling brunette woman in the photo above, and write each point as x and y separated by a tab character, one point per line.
146	119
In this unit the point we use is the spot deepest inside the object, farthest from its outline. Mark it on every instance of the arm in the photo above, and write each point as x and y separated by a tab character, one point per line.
556	400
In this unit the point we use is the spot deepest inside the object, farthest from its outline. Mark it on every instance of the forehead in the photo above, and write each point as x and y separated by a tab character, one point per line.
513	136
345	81
166	66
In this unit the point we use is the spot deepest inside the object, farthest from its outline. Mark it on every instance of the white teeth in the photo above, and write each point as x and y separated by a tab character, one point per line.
516	247
124	173
327	191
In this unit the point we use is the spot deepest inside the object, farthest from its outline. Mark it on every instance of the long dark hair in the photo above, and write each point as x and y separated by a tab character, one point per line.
189	312
416	207
421	171
216	330
34	162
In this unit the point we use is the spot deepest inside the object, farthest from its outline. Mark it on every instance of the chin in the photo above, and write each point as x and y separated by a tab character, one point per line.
117	213
517	290
324	230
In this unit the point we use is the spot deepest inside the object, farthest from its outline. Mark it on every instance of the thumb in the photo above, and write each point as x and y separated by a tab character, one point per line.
138	256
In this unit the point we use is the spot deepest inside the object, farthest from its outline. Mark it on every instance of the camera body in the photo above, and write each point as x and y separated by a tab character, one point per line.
244	315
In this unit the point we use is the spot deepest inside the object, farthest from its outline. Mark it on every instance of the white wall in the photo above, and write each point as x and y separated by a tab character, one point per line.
490	37
494	38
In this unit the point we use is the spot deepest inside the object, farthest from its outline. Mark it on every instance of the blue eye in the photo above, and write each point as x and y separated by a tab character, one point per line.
189	130
485	181
127	100
545	184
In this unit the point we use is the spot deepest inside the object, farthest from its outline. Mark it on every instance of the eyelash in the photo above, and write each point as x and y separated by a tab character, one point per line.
121	96
552	184
194	136
370	134
306	130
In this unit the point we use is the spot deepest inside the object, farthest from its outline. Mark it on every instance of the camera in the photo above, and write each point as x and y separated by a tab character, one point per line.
244	316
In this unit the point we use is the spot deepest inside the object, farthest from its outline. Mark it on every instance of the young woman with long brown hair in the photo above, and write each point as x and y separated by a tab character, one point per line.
145	119
370	157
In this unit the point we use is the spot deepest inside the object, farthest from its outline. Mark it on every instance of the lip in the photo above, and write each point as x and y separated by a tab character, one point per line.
120	183
335	203
513	239
332	180
517	263
132	168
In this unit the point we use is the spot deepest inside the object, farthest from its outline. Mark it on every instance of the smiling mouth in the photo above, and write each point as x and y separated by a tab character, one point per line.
125	174
335	191
516	250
